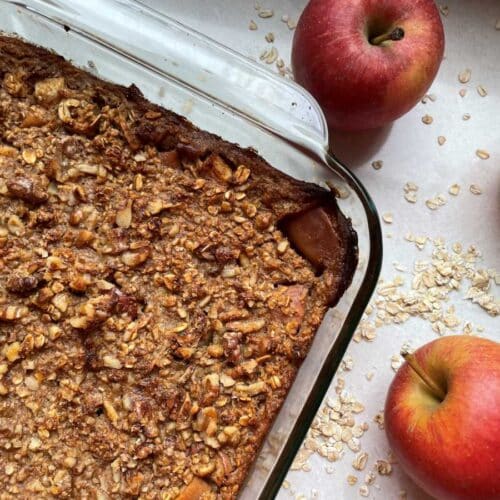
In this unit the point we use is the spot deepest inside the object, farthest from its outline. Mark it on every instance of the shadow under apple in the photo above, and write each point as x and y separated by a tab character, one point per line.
354	149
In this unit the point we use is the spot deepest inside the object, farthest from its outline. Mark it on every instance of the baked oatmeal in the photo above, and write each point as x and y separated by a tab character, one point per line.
159	288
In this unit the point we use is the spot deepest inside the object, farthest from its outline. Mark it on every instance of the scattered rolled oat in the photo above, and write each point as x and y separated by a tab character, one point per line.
252	26
475	189
269	56
383	467
481	153
435	203
359	463
464	76
462	92
433	281
441	140
370	478
351	480
454	189
334	429
481	91
364	491
365	331
427	119
396	362
466	117
266	13
379	420
292	24
428	97
377	164
269	37
387	218
445	10
410	186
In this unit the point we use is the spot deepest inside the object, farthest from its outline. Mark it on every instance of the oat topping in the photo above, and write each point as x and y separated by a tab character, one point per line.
153	313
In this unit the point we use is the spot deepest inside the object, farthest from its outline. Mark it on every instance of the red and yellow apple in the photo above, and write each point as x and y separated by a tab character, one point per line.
442	418
367	62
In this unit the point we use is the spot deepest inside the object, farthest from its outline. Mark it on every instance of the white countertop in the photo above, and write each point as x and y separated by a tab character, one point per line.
410	152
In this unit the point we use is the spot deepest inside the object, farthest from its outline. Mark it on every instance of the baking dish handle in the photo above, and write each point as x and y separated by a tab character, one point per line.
181	54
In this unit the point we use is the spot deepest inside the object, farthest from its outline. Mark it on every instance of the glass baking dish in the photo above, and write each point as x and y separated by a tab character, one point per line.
227	94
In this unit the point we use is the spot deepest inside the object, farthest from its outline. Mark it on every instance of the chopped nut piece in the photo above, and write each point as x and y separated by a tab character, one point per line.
441	140
269	37
110	411
466	117
352	480
12	313
11	351
252	389
134	259
29	156
462	92
124	216
454	189
111	362
49	90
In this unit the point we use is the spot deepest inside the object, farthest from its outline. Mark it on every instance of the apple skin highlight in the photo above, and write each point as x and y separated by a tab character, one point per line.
360	85
450	448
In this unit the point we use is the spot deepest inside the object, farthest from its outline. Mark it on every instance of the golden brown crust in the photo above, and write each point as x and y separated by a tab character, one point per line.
153	311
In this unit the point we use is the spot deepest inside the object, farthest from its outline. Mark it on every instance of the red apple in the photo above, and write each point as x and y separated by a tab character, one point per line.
442	418
367	62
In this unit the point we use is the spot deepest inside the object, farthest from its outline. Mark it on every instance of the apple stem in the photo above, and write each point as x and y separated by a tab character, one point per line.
431	385
395	35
